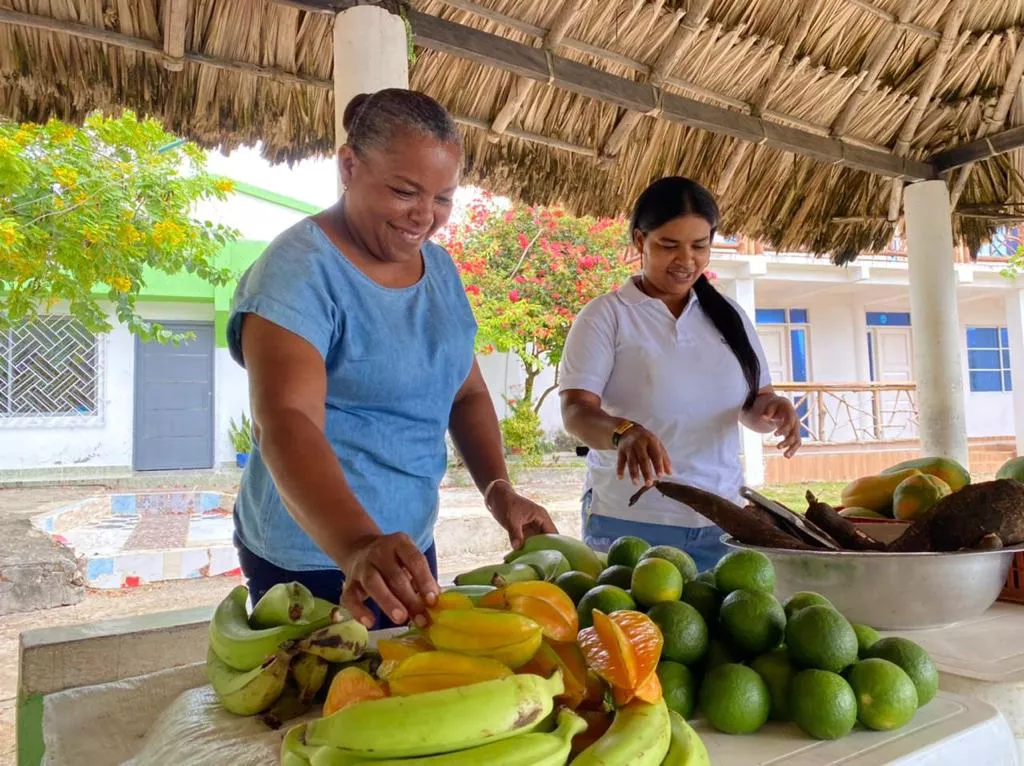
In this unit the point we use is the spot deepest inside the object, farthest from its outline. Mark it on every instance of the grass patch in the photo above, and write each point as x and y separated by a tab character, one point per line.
792	495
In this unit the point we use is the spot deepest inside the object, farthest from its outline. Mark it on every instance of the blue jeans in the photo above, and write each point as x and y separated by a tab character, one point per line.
261	575
702	543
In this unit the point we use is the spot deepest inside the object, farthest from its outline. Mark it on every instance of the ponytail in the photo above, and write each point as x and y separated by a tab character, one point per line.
729	323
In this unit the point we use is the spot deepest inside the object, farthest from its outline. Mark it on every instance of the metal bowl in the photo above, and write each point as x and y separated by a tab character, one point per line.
893	591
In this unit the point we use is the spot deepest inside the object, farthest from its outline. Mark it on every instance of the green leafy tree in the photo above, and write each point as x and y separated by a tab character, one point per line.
93	207
528	271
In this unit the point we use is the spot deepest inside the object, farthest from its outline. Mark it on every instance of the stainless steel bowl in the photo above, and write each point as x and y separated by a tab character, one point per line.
893	591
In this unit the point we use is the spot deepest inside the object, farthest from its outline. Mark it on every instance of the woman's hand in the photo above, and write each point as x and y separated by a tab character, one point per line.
520	516
644	456
780	416
390	570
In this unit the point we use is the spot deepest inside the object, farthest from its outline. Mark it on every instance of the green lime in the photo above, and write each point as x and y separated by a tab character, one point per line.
656	581
708	576
752	622
705	598
745	570
777	671
604	598
886	697
819	637
866	638
735	699
684	631
626	551
719	653
686	566
802	600
914	661
822	704
575	584
617	575
679	687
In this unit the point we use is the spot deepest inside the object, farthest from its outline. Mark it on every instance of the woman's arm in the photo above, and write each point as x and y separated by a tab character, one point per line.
772	413
288	389
473	424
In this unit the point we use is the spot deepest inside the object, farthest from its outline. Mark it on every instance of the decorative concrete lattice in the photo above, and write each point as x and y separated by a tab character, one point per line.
49	368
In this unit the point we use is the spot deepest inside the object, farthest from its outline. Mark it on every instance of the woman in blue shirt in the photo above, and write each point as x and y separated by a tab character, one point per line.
358	341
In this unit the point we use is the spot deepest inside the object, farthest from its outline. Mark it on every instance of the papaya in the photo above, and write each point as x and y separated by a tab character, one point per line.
950	471
1012	469
875	492
916	494
859	513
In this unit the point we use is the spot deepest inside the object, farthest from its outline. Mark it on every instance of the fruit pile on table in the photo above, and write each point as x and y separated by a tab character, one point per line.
562	656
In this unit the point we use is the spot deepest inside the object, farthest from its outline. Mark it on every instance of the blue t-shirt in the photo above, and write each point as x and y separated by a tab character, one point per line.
395	360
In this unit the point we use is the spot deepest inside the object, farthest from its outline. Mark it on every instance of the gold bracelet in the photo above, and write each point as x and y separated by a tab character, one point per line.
491	486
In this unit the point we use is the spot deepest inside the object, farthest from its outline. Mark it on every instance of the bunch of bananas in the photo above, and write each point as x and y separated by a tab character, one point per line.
275	660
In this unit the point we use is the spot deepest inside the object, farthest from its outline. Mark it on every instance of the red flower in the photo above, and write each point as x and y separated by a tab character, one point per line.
473	289
523	241
513	296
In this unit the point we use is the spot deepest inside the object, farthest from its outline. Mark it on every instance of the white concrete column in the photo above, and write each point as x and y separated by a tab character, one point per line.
1015	328
371	52
742	291
935	324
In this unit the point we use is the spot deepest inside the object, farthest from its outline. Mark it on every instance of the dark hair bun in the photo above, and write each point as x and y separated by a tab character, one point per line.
355	106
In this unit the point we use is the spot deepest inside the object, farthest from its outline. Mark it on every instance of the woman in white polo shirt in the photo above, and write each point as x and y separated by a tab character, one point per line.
656	376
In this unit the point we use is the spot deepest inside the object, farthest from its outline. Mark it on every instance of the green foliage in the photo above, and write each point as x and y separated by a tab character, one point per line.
240	435
521	431
89	207
528	271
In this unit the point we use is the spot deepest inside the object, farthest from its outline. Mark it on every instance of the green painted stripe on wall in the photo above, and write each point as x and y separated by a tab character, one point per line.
266	195
220	328
30	731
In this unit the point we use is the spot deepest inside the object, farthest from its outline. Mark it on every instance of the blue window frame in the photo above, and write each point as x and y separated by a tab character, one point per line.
888	319
796	321
988	359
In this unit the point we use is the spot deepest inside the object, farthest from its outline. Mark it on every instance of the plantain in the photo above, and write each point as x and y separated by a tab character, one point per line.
310	674
241	647
580	557
441	721
284	604
287	707
686	748
549	565
338	642
505	572
640	735
473	592
248	692
294	750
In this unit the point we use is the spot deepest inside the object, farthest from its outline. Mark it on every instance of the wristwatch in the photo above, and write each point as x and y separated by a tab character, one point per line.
618	432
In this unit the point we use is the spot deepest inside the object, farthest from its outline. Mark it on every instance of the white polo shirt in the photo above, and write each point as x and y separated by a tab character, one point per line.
676	377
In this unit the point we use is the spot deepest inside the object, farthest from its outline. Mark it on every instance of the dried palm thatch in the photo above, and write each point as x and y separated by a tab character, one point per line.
907	77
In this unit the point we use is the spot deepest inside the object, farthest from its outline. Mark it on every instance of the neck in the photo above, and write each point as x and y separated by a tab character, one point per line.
675	303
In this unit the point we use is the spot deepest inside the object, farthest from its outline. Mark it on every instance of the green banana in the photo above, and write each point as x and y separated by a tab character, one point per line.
580	557
639	736
248	692
473	592
294	750
549	564
509	573
283	604
310	674
686	749
529	749
243	648
439	722
288	706
338	642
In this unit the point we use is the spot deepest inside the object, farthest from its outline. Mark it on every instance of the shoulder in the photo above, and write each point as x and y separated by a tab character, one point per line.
301	252
602	309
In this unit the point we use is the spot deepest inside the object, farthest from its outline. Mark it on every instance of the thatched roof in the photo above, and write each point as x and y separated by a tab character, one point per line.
846	84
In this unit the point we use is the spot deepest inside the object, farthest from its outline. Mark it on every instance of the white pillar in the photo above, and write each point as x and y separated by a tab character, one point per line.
371	52
742	291
935	324
1015	328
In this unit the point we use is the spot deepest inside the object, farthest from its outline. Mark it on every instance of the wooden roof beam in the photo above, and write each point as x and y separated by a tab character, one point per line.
501	53
982	149
997	119
876	63
895	20
688	29
522	86
936	67
767	90
176	13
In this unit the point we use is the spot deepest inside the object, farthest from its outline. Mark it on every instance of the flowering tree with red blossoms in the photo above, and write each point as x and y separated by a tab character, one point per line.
528	271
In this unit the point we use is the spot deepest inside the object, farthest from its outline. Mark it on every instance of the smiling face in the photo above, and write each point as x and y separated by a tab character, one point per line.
398	196
675	255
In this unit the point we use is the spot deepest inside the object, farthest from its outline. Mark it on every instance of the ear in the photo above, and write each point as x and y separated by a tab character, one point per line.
346	164
638	241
